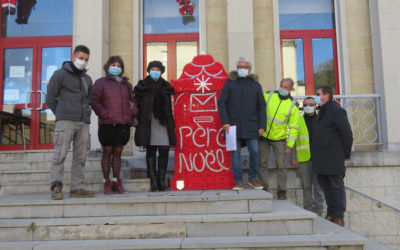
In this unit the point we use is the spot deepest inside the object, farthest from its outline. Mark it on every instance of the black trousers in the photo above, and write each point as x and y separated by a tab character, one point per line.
335	195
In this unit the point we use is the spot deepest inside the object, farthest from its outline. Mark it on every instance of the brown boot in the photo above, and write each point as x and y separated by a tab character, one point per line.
56	191
117	186
338	221
107	186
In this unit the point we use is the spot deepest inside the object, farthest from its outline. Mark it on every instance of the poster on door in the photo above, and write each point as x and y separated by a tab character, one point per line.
201	159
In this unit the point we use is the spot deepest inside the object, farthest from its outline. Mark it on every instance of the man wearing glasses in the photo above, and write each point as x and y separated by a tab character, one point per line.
301	158
331	146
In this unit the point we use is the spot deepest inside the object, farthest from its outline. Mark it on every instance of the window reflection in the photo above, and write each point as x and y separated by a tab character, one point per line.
158	51
293	63
323	63
185	51
162	16
39	18
17	76
306	14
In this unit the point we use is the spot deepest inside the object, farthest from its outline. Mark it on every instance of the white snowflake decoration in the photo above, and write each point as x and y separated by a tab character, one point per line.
202	83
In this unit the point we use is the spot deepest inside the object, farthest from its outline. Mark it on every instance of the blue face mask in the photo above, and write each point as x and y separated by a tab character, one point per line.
155	75
317	100
243	72
114	70
283	92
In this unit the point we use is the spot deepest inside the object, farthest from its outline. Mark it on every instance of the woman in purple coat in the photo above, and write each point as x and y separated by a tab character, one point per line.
114	103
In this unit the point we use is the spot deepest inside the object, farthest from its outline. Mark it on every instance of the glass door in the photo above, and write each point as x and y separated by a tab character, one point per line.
173	50
309	58
25	120
17	91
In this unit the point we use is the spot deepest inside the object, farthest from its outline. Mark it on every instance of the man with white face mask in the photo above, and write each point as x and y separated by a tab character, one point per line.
301	159
68	98
241	104
280	135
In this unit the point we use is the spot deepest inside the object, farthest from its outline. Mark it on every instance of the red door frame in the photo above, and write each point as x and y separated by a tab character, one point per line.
307	36
170	39
36	43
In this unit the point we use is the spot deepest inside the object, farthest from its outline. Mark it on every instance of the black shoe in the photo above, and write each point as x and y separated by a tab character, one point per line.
282	195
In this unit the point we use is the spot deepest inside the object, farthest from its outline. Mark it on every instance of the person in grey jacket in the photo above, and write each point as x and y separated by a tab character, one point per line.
242	104
68	98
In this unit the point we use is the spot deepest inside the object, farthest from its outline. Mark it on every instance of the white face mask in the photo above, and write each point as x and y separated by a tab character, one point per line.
80	64
308	109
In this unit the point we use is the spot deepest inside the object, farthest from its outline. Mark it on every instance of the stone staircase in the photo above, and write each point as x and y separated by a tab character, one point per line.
211	219
28	173
214	219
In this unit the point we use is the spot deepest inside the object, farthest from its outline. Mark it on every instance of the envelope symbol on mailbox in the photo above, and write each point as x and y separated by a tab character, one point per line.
203	102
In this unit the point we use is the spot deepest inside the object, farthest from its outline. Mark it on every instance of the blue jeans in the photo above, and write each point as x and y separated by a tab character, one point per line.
252	146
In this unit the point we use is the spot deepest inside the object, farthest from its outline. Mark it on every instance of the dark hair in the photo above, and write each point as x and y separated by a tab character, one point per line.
290	80
81	48
156	64
327	90
112	60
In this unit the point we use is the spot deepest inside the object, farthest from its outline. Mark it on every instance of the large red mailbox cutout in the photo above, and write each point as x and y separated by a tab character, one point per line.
201	161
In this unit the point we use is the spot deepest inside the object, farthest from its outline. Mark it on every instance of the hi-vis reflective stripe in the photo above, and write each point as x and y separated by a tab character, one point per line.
295	127
303	137
291	138
290	110
275	120
269	97
302	147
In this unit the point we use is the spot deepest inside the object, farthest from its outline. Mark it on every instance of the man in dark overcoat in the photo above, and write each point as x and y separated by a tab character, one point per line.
331	146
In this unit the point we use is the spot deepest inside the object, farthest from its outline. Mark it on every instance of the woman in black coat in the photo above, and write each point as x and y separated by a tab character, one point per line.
156	125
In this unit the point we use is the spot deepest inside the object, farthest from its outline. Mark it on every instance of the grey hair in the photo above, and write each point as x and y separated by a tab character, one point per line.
243	59
288	80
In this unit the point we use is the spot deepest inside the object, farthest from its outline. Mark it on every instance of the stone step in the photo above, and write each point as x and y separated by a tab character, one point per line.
45	165
347	241
26	177
42	187
286	219
28	156
136	204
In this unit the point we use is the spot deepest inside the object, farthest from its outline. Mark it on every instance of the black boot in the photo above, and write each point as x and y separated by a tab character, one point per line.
162	169
151	170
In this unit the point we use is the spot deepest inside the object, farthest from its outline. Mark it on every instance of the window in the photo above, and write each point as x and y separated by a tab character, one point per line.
170	37
308	44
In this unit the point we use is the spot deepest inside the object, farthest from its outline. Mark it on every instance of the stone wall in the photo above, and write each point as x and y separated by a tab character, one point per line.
121	43
360	47
216	23
372	219
264	50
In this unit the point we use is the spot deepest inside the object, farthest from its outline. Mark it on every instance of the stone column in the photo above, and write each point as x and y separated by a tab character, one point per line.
91	21
240	31
385	32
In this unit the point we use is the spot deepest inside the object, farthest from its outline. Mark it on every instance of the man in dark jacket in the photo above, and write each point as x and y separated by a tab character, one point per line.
242	104
330	147
68	97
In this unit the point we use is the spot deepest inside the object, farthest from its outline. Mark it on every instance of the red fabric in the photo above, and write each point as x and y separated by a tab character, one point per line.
201	161
111	101
7	2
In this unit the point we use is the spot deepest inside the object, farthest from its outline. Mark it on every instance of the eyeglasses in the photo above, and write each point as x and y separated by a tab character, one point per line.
309	105
243	67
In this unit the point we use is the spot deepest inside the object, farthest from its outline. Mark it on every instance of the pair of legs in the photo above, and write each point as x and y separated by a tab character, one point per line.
157	175
335	196
252	146
309	186
279	150
65	133
113	138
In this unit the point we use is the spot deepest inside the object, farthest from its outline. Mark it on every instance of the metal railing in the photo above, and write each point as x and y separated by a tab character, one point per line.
364	115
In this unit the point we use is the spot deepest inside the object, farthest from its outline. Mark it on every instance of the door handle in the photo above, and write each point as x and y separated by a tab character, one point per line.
42	94
27	95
